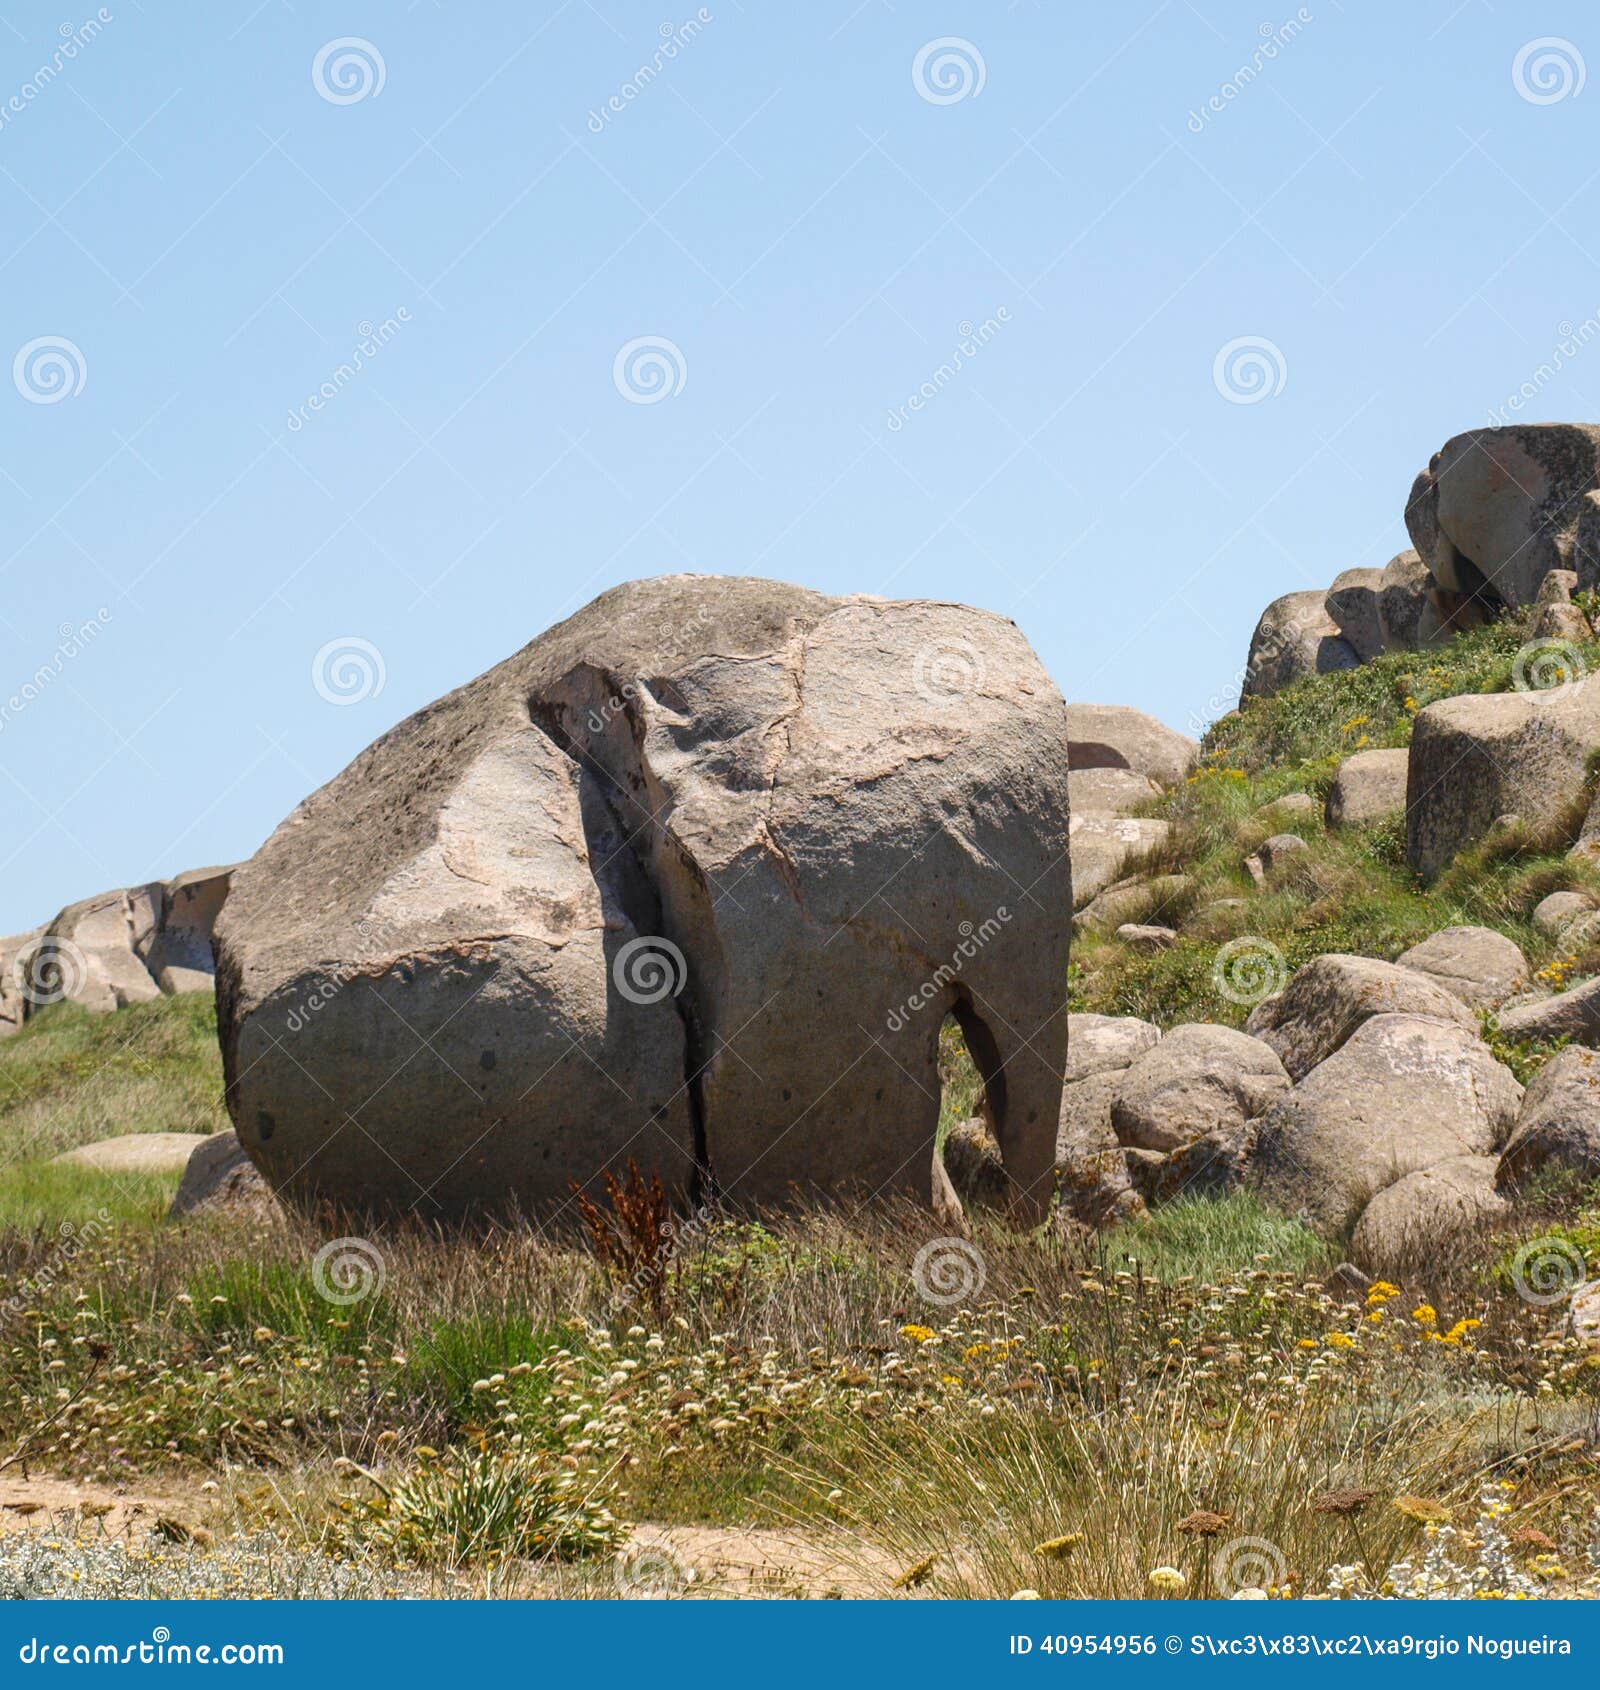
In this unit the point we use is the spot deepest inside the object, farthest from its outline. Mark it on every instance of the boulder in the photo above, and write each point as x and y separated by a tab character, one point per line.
1332	995
972	1160
1092	1167
1480	756
1109	792
1483	968
1409	606
1400	1094
1557	911
1105	1044
1295	637
1200	1079
98	945
692	881
1355	602
1116	736
220	1178
1559	1122
1281	814
179	954
1131	900
1141	936
1411	1222
136	1153
1498	508
1573	1015
1103	846
14	956
1370	787
1271	855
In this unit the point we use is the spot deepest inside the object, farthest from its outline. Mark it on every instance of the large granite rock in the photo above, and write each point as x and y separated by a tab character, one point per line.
1559	1122
1200	1079
1328	999
1295	637
1401	1094
135	1153
1413	1221
1106	1044
1104	846
1109	792
1116	736
691	880
1369	787
1573	1015
1480	756
1498	508
1481	967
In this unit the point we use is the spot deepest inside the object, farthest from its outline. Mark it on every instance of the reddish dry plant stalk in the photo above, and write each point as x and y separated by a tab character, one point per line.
633	1240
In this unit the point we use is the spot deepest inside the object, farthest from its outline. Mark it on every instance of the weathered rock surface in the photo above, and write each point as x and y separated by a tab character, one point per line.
1573	1015
1401	1094
1559	1122
1093	1167
1109	792
100	943
1104	1044
1498	508
1281	815
179	954
1480	756
136	1153
972	1160
1370	787
1104	845
1332	995
1557	911
1295	637
1355	602
1130	901
220	1178
1411	1221
642	891
1199	1079
1481	967
1116	736
14	955
1142	936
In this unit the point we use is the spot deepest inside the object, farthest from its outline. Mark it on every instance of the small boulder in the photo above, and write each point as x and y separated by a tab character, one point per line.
1559	1122
1332	995
1130	901
1400	1094
1417	1217
1573	1015
1105	1044
1108	792
1138	936
972	1161
135	1153
1091	1166
1200	1079
1281	814
1295	637
1102	846
1270	856
1483	968
220	1177
1370	787
1116	736
1553	914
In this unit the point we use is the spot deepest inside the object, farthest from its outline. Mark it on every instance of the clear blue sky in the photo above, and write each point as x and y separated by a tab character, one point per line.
182	203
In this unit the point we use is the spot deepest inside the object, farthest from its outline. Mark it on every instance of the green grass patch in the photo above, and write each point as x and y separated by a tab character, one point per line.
35	1196
1213	1238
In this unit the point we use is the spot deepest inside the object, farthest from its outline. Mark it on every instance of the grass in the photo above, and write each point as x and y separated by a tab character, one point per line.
1349	891
70	1077
36	1196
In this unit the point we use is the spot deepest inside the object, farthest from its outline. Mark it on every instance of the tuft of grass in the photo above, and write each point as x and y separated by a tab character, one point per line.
70	1077
35	1197
1211	1237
